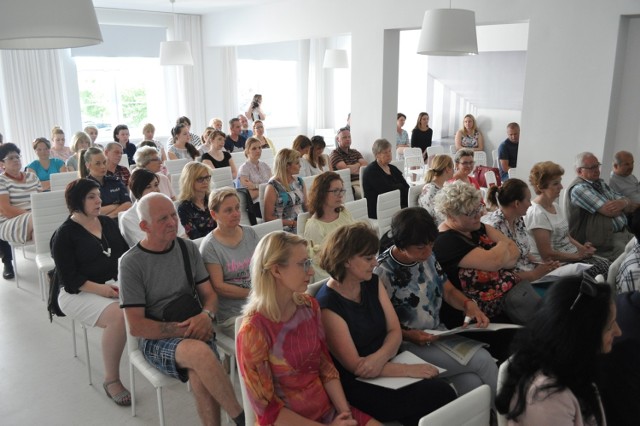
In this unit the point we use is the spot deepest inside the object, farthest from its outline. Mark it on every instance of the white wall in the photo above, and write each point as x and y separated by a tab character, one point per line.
493	124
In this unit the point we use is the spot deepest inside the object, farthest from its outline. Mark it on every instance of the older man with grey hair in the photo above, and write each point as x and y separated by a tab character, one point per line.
622	179
596	212
169	302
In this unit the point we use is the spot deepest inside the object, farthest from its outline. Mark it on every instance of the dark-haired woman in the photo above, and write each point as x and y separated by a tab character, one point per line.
86	249
216	157
402	137
417	286
513	199
363	332
121	135
422	134
550	378
315	161
181	147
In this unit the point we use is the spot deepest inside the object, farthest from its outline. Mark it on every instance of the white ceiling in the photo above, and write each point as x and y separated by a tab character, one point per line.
194	7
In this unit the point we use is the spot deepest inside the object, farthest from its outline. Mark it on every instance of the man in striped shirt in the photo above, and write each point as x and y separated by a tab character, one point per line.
343	157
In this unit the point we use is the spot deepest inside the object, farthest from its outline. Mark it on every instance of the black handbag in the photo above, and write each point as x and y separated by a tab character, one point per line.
54	291
186	305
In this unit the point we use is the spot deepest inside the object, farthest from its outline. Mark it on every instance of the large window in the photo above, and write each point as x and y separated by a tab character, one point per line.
121	91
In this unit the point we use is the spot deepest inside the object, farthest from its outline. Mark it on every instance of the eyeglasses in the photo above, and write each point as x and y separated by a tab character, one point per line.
306	265
595	166
155	160
467	163
475	212
12	157
338	192
203	179
587	287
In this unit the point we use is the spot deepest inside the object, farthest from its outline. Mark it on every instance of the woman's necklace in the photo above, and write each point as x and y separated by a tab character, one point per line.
104	245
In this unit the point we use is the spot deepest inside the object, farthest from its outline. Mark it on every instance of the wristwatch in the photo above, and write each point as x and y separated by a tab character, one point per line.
210	314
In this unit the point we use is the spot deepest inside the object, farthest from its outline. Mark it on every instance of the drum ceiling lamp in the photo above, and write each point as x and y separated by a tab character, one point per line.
175	52
47	24
335	58
448	32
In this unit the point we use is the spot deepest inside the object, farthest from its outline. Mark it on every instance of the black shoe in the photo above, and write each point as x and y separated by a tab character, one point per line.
8	273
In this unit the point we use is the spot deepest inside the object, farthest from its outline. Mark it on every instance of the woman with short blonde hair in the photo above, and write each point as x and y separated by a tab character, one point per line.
285	196
80	141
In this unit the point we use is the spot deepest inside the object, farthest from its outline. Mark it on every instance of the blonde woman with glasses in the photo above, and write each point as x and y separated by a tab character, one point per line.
195	181
285	196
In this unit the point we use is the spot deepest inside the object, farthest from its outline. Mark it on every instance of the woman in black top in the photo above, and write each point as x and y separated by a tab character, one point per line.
86	249
422	134
380	176
217	157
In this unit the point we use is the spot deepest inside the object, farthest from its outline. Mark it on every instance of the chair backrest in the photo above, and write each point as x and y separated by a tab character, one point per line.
175	166
264	228
302	222
490	178
414	194
244	216
175	183
221	177
49	210
124	161
267	157
345	175
480	157
59	181
388	204
249	415
358	209
512	172
613	272
412	152
470	409
313	288
452	149
261	189
435	150
494	155
308	181
238	158
502	376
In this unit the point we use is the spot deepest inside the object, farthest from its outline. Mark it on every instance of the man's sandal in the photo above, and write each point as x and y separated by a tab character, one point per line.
123	398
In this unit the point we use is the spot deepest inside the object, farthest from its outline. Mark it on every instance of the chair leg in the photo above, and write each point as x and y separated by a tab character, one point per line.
160	405
42	278
73	335
15	265
86	351
133	389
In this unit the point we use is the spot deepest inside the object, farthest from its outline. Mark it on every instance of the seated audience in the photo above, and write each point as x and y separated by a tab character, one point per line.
80	141
548	227
234	140
327	213
174	322
422	134
148	132
86	249
381	177
469	135
121	135
402	137
551	377
245	131
302	144
113	193
45	166
477	258
194	139
285	195
58	149
92	131
440	172
148	158
628	277
227	252
216	157
513	199
596	212
158	147
253	172
216	123
622	179
416	287
181	147
508	151
282	351
113	152
343	157
258	132
464	167
193	202
315	161
142	182
363	332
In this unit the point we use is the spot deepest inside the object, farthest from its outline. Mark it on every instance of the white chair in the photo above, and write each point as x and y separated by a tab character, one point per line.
452	149
175	166
302	222
59	181
414	164
345	175
238	158
261	190
157	379
388	204
480	157
399	164
313	288
124	161
221	177
49	210
249	415
502	376
267	157
244	216
512	172
227	346
494	155
308	181
414	194
490	178
470	409
358	209
435	150
265	228
175	184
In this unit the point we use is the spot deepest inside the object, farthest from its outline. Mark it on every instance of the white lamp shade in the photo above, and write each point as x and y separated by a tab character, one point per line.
335	58
48	24
175	53
448	32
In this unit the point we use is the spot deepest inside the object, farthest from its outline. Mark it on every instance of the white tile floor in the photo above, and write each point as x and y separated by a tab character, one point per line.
42	383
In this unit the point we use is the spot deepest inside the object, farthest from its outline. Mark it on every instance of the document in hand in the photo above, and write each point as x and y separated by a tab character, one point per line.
471	328
405	357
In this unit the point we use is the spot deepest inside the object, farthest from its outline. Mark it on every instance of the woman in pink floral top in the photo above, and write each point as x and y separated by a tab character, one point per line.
282	352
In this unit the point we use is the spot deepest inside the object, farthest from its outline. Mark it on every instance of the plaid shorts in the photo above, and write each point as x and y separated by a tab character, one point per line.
162	355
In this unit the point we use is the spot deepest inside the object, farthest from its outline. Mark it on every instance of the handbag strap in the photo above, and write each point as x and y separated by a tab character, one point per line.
187	267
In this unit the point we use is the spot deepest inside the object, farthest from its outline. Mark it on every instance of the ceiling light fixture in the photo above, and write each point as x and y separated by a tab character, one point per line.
47	24
175	52
448	32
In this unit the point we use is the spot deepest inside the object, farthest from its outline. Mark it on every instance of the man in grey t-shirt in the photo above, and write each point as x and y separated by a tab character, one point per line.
152	274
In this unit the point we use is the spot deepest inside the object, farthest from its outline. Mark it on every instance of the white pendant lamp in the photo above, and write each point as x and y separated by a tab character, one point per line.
335	58
48	24
448	32
175	52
